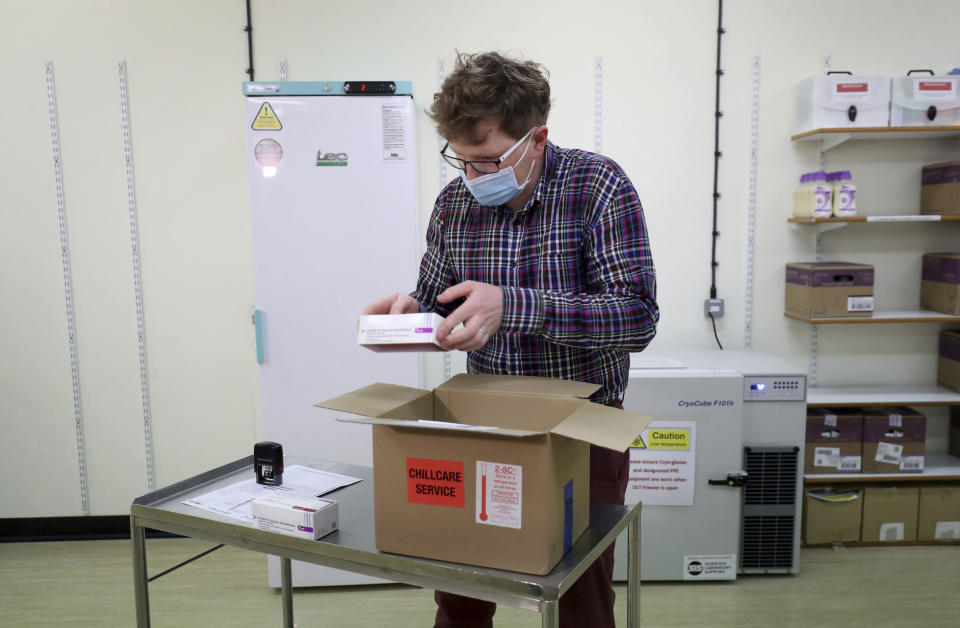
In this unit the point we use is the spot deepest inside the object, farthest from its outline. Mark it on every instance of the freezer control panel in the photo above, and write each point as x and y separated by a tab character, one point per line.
372	88
774	388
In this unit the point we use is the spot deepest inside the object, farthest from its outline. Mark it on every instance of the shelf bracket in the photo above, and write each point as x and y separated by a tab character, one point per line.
823	227
833	140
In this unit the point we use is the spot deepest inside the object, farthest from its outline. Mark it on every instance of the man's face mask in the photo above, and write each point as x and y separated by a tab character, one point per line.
500	187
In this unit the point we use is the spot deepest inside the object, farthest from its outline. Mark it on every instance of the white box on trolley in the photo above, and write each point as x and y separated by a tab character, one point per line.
306	517
841	101
925	101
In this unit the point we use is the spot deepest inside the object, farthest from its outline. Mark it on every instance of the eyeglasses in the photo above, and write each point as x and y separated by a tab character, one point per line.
481	166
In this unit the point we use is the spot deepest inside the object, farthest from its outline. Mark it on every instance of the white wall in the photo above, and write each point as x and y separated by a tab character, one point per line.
185	62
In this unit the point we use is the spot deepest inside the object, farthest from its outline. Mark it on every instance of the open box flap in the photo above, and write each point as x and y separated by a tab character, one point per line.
424	424
377	400
604	426
522	384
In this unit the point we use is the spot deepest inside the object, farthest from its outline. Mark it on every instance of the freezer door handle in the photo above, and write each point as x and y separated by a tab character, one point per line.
258	333
737	478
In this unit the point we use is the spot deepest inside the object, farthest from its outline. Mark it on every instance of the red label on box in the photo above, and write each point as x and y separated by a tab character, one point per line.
846	88
435	482
934	86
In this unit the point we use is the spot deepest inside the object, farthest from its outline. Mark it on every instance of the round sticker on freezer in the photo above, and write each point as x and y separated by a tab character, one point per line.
268	152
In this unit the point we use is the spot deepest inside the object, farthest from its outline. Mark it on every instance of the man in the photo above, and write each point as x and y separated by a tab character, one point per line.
542	254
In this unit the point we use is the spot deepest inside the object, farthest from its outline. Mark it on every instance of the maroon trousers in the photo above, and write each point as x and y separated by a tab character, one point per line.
589	602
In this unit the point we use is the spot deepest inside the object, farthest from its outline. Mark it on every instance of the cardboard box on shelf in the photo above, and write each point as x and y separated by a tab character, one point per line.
834	440
948	362
485	470
939	514
940	189
829	289
830	516
940	283
890	513
894	440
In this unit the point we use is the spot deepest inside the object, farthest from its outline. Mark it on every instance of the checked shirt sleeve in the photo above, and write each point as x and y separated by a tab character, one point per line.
436	272
618	309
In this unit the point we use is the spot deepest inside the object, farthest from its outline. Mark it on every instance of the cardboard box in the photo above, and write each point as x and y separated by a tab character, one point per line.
485	470
940	285
399	332
840	101
890	514
306	517
940	188
948	362
894	440
925	101
834	441
939	514
832	517
827	289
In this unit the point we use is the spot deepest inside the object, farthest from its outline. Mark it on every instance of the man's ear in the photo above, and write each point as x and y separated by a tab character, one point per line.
540	139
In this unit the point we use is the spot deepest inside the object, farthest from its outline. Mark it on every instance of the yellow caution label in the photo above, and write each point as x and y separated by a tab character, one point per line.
665	438
638	442
266	119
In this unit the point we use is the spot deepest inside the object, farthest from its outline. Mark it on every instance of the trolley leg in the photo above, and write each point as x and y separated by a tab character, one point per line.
550	614
140	573
286	585
633	573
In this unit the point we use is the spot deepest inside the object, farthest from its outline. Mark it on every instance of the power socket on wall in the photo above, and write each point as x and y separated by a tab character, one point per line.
713	307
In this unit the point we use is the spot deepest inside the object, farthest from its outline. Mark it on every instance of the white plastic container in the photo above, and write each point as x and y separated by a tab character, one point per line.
803	197
844	195
822	195
925	101
841	101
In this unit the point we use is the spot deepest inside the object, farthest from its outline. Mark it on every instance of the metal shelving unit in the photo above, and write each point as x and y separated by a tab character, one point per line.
938	467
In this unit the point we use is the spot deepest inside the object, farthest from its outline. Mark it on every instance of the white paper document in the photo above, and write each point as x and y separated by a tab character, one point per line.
234	500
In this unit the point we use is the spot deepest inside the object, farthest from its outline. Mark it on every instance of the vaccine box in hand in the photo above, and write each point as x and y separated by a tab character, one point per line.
400	332
306	517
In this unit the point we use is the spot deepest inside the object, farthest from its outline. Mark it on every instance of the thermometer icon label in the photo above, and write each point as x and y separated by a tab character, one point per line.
499	494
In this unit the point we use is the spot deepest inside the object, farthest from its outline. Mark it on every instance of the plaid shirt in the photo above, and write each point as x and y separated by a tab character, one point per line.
579	287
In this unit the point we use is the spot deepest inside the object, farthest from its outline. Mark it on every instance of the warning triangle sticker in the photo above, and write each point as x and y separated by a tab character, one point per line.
266	119
638	442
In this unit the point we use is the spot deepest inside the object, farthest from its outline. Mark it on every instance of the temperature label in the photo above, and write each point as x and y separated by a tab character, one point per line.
499	494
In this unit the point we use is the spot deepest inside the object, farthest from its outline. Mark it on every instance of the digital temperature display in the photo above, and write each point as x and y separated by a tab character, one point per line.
362	88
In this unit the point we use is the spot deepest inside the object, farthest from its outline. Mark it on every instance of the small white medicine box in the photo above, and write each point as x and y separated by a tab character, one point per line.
925	101
400	332
841	101
306	517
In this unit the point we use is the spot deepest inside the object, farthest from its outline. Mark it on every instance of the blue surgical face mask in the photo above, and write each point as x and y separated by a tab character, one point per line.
498	187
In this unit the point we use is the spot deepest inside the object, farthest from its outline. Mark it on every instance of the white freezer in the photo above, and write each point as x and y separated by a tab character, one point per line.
334	202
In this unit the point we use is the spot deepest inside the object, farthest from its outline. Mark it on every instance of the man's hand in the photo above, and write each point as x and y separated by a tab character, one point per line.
480	314
396	303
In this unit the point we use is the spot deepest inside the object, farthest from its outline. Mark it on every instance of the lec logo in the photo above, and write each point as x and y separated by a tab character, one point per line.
332	159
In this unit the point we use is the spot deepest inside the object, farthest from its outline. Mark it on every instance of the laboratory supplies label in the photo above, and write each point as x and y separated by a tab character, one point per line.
435	482
713	567
499	494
